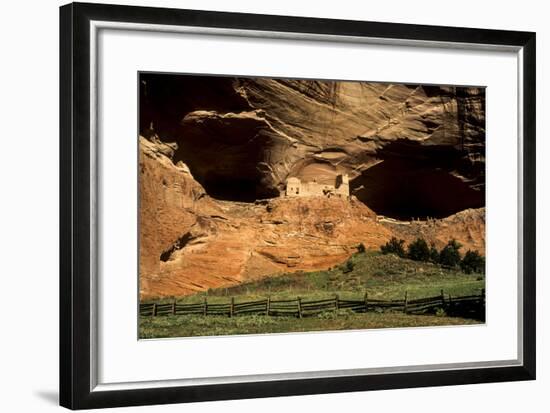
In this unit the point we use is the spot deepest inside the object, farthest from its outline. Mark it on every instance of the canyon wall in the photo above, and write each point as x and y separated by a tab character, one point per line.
190	242
410	151
216	152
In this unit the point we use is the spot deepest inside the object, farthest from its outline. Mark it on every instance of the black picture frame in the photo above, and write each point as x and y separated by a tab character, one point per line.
75	220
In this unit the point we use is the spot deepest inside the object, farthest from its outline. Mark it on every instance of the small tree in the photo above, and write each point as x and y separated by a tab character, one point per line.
349	266
361	248
394	246
434	254
450	254
418	250
473	261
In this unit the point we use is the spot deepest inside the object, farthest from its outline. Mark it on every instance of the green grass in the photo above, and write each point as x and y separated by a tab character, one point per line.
382	276
188	325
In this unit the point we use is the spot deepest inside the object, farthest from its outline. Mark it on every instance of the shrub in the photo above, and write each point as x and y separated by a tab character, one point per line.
394	246
434	254
450	255
440	312
349	266
418	250
472	262
361	248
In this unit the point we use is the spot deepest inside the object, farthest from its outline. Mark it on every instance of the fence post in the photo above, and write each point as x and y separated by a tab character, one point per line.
366	301
174	307
442	298
406	303
205	307
299	307
232	307
336	302
155	309
268	305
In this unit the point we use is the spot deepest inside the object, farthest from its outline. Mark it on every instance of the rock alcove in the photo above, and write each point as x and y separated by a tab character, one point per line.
410	151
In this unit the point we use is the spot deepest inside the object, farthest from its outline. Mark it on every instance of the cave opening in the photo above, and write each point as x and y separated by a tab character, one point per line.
164	99
218	136
227	171
407	190
236	188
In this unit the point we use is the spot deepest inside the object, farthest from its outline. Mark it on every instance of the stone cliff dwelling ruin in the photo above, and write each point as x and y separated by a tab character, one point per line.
296	188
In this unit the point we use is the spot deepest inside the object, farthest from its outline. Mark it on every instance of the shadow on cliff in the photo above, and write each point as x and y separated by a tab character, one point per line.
406	190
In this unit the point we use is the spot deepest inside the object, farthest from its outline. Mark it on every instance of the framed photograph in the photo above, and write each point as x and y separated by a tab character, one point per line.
258	206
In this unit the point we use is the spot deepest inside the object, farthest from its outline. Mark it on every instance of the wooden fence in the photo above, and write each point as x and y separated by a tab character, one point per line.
468	306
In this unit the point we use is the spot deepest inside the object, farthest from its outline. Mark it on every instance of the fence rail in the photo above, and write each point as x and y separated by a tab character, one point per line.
472	306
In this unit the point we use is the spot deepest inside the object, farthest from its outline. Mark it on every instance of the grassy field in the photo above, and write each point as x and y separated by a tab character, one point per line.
188	325
382	276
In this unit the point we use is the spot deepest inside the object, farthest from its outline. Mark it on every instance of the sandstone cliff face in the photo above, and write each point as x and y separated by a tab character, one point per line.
216	153
468	227
418	146
190	241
